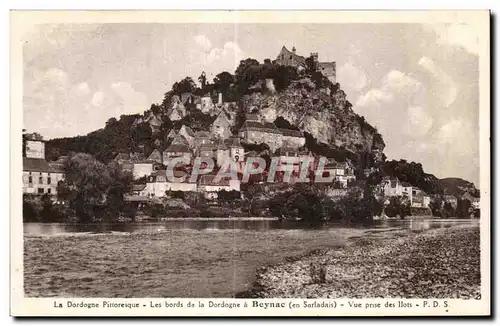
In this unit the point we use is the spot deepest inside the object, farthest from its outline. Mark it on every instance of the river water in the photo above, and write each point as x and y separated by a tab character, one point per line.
48	229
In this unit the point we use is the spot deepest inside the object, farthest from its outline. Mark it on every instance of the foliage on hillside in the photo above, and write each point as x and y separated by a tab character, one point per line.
412	173
457	187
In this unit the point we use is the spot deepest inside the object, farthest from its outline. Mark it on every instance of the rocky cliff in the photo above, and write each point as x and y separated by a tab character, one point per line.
324	113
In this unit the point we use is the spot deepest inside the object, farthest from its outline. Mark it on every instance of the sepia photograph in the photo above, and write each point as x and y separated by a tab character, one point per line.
240	159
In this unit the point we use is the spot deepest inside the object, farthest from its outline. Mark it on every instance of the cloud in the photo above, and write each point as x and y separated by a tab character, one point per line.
215	59
395	84
399	82
203	42
97	99
351	78
445	86
374	97
56	107
419	121
132	101
457	34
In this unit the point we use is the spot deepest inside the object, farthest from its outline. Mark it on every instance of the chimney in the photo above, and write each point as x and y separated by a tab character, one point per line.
293	50
220	98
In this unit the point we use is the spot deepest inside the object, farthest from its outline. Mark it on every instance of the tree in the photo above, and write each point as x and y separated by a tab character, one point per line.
397	206
203	80
436	205
310	65
223	81
283	76
282	123
463	209
251	192
29	211
187	85
448	210
92	186
243	67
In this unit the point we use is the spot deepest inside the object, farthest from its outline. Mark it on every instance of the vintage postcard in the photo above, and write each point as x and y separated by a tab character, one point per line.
244	163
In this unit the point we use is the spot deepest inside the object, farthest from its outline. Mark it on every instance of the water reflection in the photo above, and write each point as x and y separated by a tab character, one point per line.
215	225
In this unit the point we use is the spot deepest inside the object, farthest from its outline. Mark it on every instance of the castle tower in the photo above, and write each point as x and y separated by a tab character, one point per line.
314	55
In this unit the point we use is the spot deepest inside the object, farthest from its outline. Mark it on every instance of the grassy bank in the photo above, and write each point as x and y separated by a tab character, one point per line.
173	263
440	263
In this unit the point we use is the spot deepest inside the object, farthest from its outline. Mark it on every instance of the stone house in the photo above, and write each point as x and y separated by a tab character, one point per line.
206	104
35	148
188	134
177	110
254	132
209	186
171	134
176	150
158	184
222	153
207	150
139	190
419	198
292	138
475	201
291	58
39	177
156	156
143	168
221	127
393	187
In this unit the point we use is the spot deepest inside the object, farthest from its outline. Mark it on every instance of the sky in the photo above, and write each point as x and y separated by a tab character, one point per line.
417	84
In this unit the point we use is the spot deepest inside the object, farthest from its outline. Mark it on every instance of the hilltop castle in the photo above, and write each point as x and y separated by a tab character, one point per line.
291	58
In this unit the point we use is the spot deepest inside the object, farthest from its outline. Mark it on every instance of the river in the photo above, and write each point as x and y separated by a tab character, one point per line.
257	224
177	258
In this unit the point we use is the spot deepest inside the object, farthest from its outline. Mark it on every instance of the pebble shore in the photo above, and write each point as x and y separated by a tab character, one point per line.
439	263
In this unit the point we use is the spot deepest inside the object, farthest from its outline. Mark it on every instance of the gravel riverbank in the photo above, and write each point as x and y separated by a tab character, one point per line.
440	263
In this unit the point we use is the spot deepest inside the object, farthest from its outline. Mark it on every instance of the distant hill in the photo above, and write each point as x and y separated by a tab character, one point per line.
458	186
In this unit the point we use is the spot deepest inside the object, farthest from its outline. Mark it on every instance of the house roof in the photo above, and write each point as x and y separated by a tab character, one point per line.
180	139
291	133
155	154
222	146
39	165
207	147
122	156
209	180
172	133
138	187
188	130
265	127
132	198
252	117
232	142
202	134
178	148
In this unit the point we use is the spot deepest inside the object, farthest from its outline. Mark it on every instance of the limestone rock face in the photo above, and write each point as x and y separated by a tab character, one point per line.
325	114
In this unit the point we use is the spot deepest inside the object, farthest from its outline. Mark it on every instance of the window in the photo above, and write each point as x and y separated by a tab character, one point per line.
49	191
40	190
30	179
48	180
290	57
282	57
40	179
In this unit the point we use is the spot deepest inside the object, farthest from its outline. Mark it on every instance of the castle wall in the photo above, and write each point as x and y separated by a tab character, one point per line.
328	69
